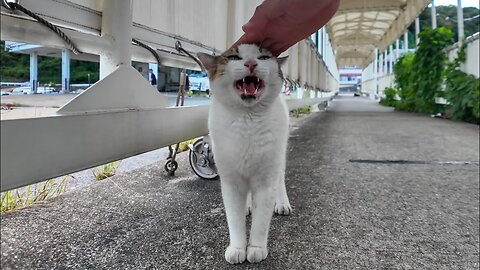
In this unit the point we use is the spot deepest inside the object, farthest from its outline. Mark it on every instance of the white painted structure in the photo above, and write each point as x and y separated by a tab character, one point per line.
122	115
471	65
65	70
33	71
362	32
359	27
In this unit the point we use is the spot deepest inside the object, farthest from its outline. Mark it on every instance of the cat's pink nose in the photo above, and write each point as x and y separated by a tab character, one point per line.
250	64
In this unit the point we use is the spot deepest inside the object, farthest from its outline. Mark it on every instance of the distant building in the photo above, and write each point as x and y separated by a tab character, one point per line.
349	78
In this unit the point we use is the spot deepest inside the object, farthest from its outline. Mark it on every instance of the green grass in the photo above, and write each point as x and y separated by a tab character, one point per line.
25	196
105	171
184	145
301	111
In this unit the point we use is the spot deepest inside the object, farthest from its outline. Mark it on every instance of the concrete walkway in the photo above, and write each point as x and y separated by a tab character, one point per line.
370	188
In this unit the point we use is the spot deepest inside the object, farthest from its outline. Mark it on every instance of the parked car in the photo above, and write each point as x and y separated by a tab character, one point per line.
27	90
77	91
21	90
199	82
46	90
5	93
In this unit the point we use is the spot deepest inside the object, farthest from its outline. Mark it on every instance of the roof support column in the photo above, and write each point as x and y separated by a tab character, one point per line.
65	70
33	71
385	61
391	59
382	64
375	71
324	41
461	32
117	28
397	49
434	15
405	41
417	31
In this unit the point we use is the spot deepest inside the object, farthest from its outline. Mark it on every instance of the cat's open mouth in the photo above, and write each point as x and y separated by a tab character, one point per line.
249	87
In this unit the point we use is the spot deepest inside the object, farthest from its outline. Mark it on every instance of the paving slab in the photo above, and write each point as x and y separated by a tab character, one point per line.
347	215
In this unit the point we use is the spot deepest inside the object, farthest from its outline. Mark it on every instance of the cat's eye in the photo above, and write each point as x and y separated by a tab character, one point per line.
264	57
234	57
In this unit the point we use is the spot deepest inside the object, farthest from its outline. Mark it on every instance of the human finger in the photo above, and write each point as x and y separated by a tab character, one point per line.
251	37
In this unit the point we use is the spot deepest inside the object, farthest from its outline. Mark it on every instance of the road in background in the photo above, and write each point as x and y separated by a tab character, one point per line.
42	105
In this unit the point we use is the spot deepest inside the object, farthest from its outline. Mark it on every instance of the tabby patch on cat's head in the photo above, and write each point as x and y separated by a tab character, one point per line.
247	67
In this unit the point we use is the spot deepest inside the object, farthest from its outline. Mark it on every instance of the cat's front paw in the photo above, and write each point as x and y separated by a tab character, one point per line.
283	209
256	254
235	255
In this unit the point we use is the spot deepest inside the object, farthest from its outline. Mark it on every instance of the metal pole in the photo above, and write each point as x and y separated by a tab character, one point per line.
33	71
417	31
117	28
397	47
65	70
434	15
324	48
375	71
391	59
385	61
461	32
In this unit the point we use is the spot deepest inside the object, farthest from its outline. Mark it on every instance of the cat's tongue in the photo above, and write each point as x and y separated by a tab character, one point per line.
249	88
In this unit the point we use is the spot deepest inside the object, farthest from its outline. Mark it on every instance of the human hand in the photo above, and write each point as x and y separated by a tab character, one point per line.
278	24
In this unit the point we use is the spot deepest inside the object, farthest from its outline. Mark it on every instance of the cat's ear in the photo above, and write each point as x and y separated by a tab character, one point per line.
282	60
208	61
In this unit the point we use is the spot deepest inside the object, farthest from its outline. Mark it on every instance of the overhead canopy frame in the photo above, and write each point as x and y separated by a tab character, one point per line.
360	26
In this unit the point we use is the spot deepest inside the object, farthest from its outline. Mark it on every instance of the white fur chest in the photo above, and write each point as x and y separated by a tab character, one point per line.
245	141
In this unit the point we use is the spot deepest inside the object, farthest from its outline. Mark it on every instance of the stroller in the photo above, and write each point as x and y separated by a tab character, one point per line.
200	155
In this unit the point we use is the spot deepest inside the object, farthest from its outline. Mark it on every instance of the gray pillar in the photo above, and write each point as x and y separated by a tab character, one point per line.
417	31
391	59
65	70
385	61
405	41
461	32
434	15
380	63
397	46
33	71
324	48
375	71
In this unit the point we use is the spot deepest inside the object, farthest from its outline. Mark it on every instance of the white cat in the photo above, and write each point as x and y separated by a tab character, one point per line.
248	123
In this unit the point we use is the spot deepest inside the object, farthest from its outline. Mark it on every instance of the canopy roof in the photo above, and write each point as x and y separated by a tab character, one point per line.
360	26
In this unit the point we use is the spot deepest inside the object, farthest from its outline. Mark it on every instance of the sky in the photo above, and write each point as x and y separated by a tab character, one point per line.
465	3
